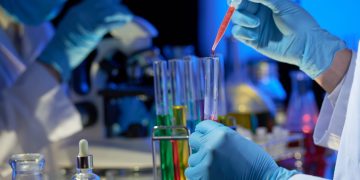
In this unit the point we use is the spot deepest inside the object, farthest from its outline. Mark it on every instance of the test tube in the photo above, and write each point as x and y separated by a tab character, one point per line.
163	118
211	73
222	110
190	96
199	86
177	76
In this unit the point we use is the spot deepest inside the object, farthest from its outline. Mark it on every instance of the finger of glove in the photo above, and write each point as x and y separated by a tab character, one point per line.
116	13
115	18
207	126
275	5
197	158
244	33
246	6
195	141
200	171
245	19
119	17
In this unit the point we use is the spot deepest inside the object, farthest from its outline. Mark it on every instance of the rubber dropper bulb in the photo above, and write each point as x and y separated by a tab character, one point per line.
83	148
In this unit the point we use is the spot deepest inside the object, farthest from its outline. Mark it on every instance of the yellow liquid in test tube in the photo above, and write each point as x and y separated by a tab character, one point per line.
179	113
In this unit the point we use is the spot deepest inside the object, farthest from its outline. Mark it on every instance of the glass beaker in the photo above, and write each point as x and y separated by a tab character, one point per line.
27	166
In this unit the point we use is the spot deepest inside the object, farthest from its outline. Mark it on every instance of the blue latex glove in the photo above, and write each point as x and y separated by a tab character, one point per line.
221	153
80	31
283	31
32	12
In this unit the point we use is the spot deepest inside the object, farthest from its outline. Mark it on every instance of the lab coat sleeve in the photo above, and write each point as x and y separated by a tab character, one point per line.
38	110
348	159
332	116
305	177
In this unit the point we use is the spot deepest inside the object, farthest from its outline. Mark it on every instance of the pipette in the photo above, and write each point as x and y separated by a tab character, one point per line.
224	24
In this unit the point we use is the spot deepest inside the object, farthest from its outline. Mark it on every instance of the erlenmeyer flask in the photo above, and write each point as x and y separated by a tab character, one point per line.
302	115
302	110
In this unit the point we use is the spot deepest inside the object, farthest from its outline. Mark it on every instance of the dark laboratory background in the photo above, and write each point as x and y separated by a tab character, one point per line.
125	103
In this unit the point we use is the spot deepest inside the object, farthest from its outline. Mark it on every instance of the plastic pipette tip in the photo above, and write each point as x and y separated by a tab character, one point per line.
223	27
83	148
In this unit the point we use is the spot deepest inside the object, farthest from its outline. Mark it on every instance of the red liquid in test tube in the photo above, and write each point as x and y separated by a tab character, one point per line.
176	160
222	28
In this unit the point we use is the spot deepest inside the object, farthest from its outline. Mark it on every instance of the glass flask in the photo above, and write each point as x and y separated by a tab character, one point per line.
302	110
302	115
27	166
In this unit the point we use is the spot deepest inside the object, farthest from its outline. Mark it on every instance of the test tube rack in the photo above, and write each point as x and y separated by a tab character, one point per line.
155	138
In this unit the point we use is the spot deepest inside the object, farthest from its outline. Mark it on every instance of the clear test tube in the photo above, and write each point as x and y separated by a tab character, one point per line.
160	86
179	108
177	81
222	109
163	117
211	73
199	86
190	94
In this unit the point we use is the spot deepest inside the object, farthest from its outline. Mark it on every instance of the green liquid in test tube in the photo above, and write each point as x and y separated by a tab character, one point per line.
163	119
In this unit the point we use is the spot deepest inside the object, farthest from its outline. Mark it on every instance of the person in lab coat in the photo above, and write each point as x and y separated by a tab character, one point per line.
35	63
283	31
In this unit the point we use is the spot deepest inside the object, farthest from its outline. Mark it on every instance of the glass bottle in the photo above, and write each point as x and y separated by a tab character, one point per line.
27	166
84	164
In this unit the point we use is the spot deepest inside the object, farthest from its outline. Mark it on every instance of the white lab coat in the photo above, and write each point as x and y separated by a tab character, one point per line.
34	108
338	126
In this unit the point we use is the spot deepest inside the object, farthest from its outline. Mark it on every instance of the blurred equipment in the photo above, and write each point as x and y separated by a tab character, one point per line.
117	80
84	163
246	103
178	52
264	75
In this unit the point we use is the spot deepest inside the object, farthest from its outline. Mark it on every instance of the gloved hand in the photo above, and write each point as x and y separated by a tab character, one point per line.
80	31
221	153
283	31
